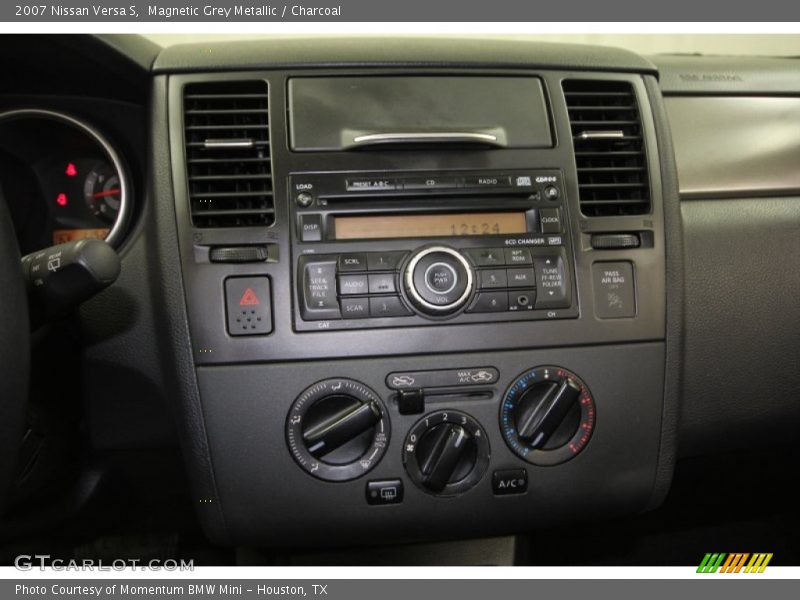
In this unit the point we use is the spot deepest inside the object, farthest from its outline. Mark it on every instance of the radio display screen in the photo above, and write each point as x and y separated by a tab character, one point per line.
432	225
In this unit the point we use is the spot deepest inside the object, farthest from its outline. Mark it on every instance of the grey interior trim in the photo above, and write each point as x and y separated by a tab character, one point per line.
408	52
727	75
675	305
742	344
736	146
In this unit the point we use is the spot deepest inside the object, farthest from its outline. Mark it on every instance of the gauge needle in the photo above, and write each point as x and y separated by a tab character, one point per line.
105	193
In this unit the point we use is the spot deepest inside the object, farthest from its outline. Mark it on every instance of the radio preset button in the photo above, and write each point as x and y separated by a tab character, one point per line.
384	261
487	257
493	278
352	262
441	278
521	278
355	308
490	302
352	285
381	283
387	306
518	256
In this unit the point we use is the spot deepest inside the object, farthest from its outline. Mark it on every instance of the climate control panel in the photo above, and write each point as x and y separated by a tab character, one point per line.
338	429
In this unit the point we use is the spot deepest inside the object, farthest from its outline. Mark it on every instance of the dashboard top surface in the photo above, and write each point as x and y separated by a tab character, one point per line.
422	51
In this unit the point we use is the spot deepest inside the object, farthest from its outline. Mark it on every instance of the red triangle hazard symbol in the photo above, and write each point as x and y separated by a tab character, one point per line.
249	298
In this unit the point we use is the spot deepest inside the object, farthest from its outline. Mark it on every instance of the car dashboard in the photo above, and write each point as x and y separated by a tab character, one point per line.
379	292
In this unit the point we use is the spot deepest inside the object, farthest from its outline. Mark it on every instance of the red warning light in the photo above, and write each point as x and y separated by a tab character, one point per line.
71	170
61	199
249	298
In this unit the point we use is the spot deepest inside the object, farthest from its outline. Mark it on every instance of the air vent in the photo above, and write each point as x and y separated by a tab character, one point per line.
227	154
609	148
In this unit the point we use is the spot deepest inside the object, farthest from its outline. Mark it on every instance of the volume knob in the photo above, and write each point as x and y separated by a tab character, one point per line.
438	280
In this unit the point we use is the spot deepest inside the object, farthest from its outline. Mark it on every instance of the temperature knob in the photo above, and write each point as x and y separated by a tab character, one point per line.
547	416
446	453
337	429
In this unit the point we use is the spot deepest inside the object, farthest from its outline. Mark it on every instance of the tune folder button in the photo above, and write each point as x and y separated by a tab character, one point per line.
551	282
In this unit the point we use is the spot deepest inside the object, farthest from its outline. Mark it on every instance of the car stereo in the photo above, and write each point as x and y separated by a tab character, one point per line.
416	248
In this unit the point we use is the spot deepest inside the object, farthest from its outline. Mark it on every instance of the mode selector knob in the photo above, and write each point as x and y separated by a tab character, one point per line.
345	424
438	280
337	429
446	453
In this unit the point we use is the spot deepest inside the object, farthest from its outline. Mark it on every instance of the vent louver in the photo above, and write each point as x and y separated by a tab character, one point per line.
609	147
228	154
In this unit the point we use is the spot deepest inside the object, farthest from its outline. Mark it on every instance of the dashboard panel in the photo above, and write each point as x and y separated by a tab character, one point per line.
345	353
348	324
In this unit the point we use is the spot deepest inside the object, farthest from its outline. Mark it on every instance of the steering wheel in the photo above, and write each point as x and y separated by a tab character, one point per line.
14	350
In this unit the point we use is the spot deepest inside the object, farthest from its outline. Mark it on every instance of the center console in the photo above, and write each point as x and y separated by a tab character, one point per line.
422	303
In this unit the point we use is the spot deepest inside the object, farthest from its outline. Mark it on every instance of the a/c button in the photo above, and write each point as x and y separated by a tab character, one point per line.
510	481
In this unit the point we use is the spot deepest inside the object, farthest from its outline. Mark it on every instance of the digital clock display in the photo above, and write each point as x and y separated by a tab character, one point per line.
433	225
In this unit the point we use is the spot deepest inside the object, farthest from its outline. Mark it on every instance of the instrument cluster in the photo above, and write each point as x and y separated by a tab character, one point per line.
62	178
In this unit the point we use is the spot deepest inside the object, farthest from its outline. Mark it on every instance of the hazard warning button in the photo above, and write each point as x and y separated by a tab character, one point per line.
248	305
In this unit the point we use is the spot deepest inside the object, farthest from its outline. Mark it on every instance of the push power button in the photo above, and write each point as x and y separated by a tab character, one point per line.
438	280
441	278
